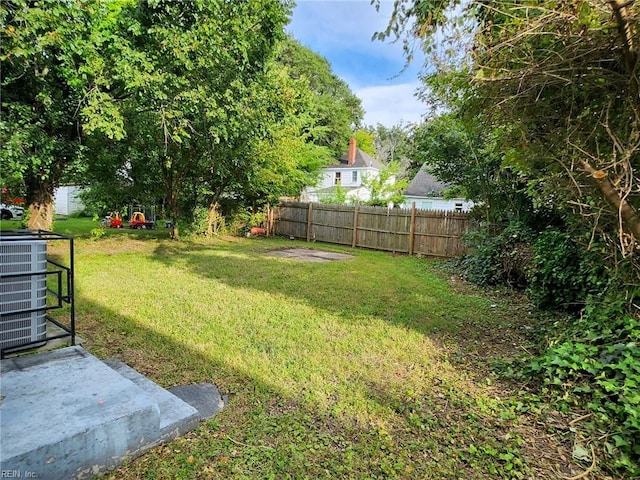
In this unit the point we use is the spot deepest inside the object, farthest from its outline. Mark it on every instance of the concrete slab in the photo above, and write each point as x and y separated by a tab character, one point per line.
205	397
176	416
65	414
310	255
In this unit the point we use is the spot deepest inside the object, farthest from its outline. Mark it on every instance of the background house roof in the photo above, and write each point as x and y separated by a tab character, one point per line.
362	160
424	184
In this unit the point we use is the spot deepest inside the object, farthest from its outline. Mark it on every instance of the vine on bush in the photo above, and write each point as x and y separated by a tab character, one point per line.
562	275
593	362
500	259
596	365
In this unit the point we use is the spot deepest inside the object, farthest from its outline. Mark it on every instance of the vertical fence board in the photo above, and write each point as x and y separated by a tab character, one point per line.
354	239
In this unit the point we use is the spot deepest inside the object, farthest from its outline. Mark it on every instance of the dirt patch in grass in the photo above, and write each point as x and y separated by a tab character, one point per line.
309	255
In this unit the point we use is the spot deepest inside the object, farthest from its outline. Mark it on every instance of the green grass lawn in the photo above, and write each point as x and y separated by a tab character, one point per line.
371	367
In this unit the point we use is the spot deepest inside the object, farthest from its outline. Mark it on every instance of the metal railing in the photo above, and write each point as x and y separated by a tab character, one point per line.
62	291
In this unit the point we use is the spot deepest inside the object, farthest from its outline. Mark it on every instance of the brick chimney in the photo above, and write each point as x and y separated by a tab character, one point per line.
351	156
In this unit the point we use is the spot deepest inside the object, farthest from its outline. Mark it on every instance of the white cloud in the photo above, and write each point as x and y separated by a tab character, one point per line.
341	31
391	104
343	25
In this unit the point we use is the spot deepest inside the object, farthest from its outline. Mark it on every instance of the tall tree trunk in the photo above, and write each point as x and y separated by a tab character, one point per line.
171	183
172	200
212	219
40	201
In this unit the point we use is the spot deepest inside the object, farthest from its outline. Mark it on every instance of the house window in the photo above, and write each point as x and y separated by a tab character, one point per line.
458	206
337	179
354	177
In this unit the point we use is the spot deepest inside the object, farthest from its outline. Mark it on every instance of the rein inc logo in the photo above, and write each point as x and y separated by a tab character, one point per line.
17	474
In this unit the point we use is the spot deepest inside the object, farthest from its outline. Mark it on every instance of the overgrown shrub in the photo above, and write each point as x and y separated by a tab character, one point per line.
499	259
563	274
241	221
199	222
594	364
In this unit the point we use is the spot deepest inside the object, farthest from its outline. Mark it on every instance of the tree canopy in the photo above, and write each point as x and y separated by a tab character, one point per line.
62	65
337	111
561	80
160	101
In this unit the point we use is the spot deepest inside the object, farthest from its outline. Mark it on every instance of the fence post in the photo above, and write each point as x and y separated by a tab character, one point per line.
267	225
395	234
412	228
355	226
309	220
271	223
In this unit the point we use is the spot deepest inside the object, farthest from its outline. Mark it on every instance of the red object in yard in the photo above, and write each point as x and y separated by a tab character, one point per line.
115	221
137	220
257	231
8	199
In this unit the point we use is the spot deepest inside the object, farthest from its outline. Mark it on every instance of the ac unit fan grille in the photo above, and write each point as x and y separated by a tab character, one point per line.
20	294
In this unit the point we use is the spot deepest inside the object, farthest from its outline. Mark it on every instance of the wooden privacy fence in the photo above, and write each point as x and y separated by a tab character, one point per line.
411	231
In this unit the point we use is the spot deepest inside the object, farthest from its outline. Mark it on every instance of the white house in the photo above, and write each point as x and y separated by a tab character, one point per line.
425	191
349	172
67	200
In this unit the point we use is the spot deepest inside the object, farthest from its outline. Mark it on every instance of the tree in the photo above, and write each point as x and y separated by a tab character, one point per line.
365	140
288	157
469	158
197	115
337	196
386	187
186	78
287	160
306	111
336	110
60	65
124	173
392	144
562	79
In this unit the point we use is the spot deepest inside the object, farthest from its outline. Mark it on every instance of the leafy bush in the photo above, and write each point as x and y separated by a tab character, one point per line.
595	364
98	232
241	221
562	274
199	223
499	259
338	196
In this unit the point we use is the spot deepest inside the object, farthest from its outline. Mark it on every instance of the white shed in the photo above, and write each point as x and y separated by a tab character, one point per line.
67	200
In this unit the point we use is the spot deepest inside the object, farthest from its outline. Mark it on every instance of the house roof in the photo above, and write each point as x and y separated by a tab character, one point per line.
424	184
362	160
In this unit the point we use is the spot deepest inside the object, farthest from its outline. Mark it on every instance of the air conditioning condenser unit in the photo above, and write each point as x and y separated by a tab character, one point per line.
23	291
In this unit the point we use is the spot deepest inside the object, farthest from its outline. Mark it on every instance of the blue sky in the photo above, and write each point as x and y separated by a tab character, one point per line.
341	31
